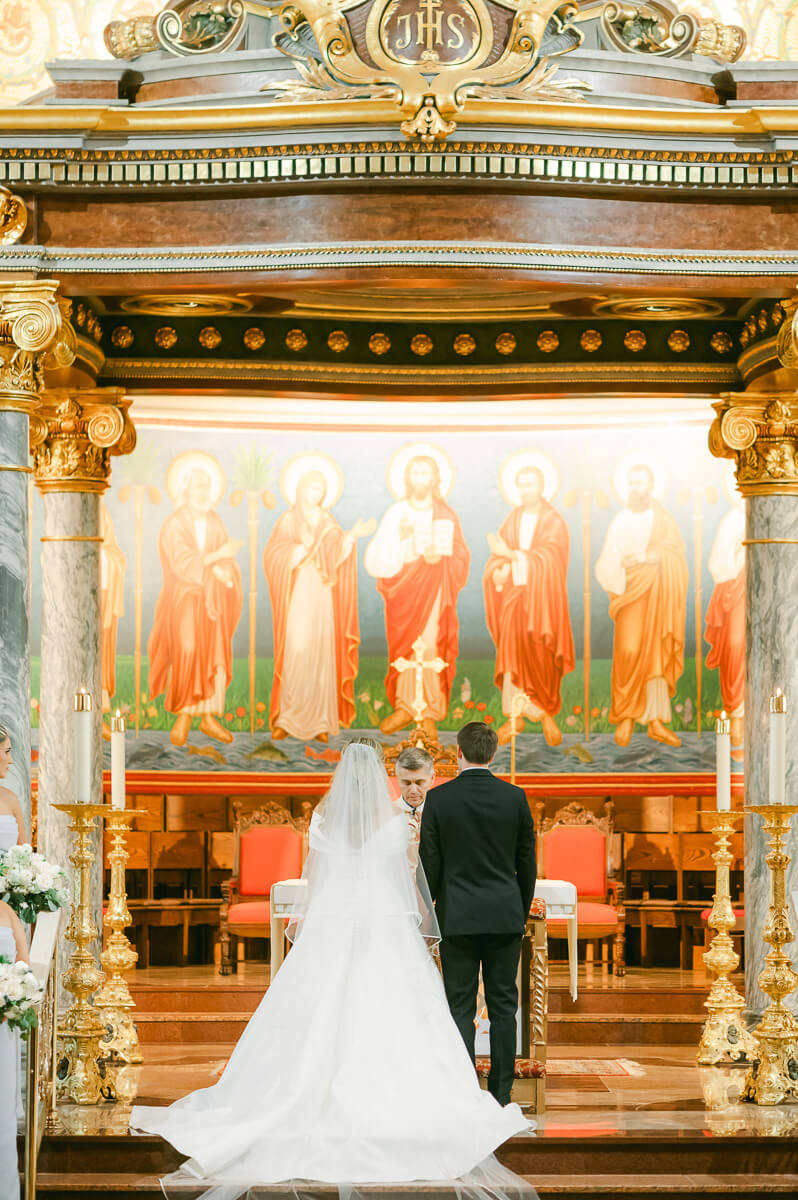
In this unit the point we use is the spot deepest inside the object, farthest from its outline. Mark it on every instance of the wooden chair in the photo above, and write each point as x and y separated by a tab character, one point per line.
576	844
529	1088
269	845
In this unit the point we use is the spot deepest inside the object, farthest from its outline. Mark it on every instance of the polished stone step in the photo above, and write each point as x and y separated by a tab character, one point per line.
218	998
565	1029
61	1186
576	1151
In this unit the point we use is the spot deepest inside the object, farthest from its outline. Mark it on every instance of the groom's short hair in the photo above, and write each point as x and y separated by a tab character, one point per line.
478	742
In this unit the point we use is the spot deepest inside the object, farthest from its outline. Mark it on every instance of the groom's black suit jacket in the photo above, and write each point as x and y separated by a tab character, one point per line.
478	852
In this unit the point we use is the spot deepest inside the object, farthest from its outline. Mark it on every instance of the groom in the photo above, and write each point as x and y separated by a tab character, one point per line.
478	853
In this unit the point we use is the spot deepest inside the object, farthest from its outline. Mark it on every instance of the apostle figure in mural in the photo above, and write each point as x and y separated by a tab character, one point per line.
643	569
311	570
526	596
420	561
725	619
191	644
112	605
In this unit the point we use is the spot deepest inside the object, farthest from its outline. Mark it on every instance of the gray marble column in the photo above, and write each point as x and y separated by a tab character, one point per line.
771	662
70	555
15	600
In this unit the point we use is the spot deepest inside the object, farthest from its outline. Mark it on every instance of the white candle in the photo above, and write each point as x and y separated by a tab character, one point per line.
83	728
723	763
118	761
778	747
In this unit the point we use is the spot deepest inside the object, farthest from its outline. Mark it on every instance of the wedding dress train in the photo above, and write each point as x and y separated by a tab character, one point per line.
351	1071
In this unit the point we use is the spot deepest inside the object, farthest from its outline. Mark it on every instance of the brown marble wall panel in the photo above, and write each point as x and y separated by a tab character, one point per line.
203	85
368	218
86	89
764	89
629	86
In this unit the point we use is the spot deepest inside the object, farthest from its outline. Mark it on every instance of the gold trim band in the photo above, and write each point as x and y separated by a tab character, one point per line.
770	541
9	467
80	537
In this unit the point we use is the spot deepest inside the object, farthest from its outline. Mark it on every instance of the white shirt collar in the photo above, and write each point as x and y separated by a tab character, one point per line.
474	767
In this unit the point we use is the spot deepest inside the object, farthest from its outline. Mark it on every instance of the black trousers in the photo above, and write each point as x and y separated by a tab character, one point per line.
498	955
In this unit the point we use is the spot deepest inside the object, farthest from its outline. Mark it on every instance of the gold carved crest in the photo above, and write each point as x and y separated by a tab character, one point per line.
430	56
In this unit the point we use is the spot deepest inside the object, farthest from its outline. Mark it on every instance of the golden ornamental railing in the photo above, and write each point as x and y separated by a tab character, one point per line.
41	1056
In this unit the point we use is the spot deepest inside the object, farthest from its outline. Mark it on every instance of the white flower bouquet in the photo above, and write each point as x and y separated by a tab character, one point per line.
30	884
20	991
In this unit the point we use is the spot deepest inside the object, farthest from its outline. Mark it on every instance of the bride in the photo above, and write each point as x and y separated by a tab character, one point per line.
351	1070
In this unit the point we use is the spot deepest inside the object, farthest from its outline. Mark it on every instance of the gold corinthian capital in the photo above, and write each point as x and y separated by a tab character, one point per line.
760	431
34	333
73	435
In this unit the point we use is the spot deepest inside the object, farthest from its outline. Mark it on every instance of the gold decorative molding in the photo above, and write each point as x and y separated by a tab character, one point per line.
657	28
185	28
426	57
74	434
13	217
34	333
760	431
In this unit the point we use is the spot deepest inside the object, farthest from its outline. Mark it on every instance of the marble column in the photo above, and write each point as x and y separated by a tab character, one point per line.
760	430
76	433
31	329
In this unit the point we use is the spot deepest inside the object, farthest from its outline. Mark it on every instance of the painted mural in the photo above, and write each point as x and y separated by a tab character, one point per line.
265	593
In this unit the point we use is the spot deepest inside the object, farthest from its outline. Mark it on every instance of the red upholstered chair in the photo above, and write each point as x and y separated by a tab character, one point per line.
269	846
576	844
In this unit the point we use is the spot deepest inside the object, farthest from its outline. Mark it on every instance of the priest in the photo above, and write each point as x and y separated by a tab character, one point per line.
526	605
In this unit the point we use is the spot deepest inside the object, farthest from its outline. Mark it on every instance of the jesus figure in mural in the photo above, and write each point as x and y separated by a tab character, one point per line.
526	600
191	644
311	569
420	561
643	568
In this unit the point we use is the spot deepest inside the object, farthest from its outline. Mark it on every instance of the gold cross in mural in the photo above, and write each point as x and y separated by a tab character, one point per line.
419	664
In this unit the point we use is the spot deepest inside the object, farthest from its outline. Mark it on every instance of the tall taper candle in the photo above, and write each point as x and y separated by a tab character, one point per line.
723	762
118	760
82	763
778	747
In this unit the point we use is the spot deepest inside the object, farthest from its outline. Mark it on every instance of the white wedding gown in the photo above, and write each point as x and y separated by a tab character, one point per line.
351	1070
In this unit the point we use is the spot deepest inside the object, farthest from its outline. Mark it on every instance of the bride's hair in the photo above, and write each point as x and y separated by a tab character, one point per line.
366	741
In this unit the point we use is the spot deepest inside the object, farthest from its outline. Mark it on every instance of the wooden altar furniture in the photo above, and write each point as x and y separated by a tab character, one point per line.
575	844
268	846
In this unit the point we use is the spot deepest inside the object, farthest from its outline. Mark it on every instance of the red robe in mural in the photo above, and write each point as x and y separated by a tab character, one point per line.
725	619
420	597
112	602
191	644
528	616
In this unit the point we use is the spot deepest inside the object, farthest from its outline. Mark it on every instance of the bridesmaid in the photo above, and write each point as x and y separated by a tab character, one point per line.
12	821
13	946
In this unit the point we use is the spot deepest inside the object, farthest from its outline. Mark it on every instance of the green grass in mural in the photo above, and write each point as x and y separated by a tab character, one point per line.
474	695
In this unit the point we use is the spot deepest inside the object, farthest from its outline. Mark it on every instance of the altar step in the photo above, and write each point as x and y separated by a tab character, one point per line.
572	1187
565	1029
572	1165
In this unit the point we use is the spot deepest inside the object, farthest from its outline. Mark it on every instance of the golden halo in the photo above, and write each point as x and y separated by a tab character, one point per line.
528	458
180	468
301	465
398	464
620	483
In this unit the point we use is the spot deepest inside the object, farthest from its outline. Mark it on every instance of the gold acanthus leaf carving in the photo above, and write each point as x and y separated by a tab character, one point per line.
319	84
539	84
759	431
13	217
73	435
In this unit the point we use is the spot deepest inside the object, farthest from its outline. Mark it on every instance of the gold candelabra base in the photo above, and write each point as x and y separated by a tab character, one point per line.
114	1001
724	1038
80	1073
773	1077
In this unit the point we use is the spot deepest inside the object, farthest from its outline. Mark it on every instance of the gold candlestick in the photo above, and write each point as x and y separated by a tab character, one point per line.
114	1001
80	1075
773	1077
725	1038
